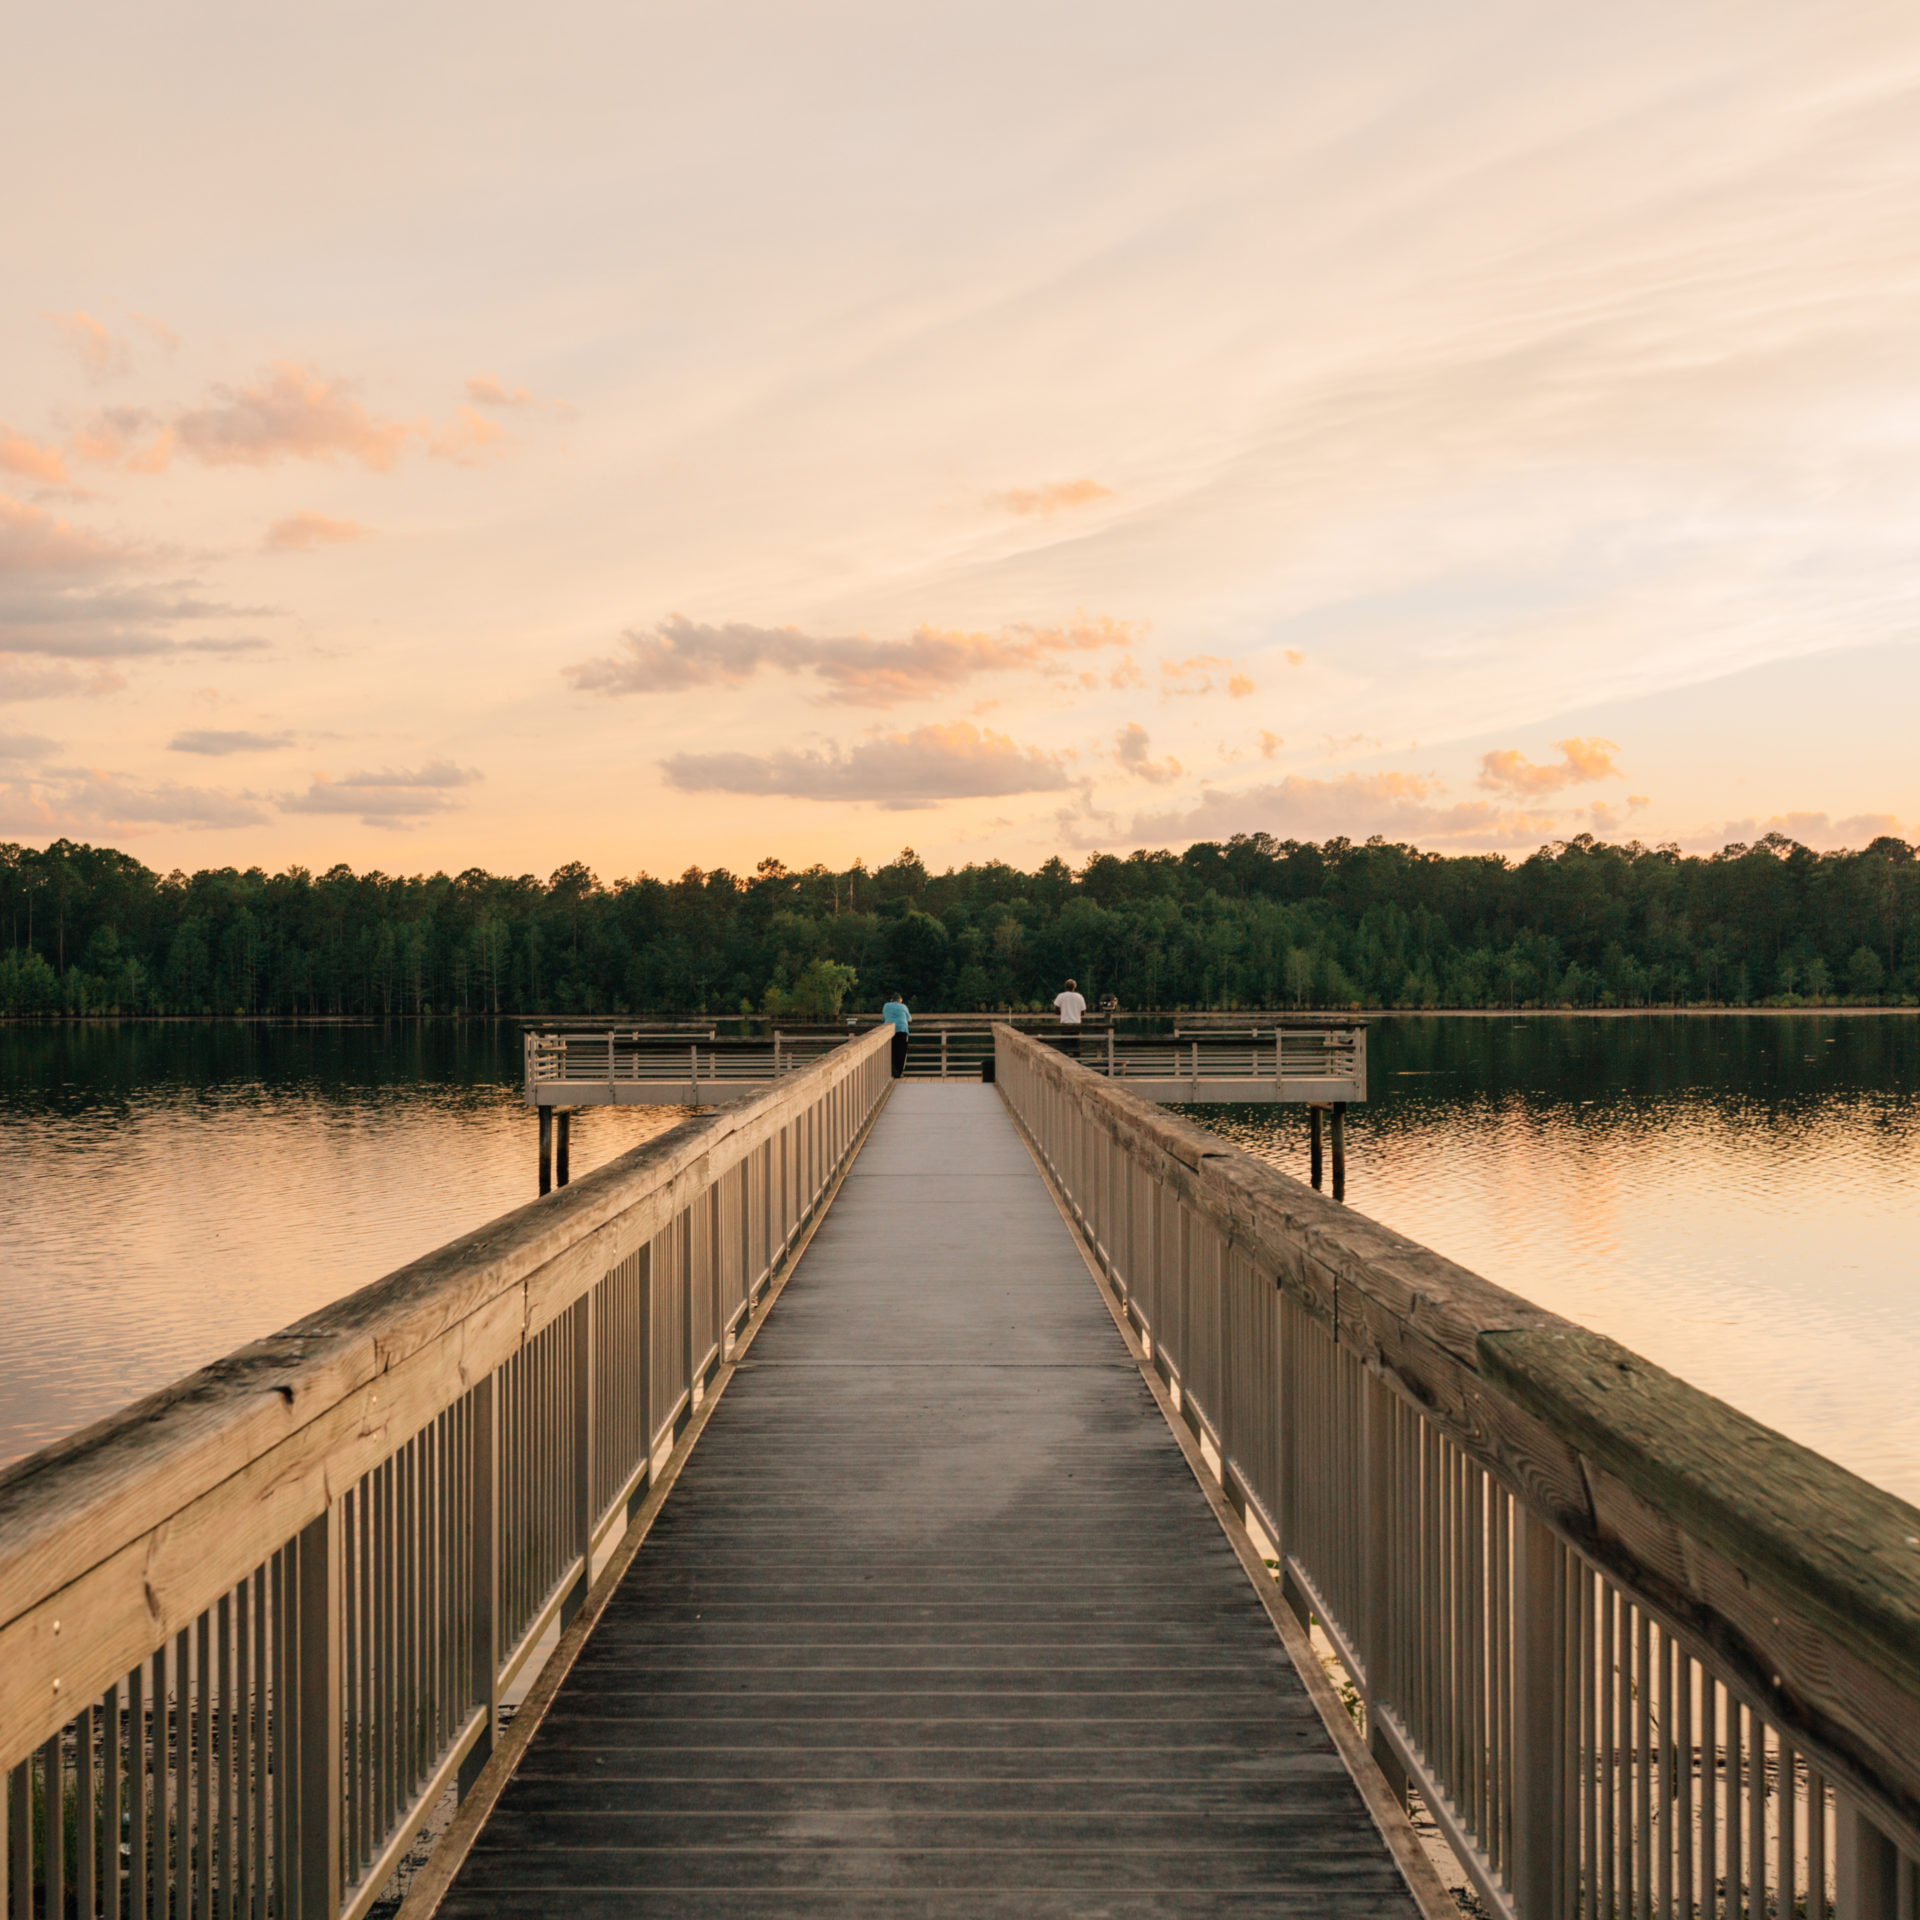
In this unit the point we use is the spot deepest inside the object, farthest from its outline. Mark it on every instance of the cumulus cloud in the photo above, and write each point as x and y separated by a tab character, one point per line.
1134	751
397	798
290	413
100	353
300	531
61	800
897	770
678	655
1056	496
1583	758
1402	806
30	459
219	740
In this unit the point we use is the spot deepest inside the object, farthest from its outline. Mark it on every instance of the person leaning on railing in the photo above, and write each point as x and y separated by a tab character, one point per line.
896	1015
1073	1006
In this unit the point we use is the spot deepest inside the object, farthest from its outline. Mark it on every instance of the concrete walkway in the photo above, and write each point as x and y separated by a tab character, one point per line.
935	1620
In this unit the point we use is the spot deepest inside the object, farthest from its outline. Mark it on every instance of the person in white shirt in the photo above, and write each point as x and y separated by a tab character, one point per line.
1072	1005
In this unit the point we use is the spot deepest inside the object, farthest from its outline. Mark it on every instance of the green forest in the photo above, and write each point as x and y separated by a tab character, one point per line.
1253	922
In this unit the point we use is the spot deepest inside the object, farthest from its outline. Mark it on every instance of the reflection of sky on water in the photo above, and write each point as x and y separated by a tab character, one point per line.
162	1204
1757	1232
1736	1199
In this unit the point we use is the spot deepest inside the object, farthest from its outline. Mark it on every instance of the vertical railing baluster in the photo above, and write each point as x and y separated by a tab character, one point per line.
1537	1660
317	1762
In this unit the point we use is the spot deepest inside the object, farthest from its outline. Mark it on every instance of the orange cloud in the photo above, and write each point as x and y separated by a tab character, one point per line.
679	655
301	531
291	413
100	355
1055	497
1132	748
486	391
33	541
29	459
1270	744
113	438
1582	758
1195	675
470	439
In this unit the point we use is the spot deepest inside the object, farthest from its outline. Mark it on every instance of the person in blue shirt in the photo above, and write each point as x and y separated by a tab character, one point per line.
896	1015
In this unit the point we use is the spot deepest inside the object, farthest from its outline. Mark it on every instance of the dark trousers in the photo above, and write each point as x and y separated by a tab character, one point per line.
899	1053
1070	1041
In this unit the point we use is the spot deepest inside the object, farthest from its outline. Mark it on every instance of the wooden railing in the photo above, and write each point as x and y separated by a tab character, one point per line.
253	1629
1640	1655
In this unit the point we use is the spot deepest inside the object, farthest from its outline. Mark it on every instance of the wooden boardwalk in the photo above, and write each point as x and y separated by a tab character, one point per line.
936	1620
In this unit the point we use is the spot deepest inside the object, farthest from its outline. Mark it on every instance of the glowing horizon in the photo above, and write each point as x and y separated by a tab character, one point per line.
677	440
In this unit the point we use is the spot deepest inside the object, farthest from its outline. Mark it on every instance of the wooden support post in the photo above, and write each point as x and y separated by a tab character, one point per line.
643	1370
483	1546
563	1147
1866	1868
317	1755
546	1149
1339	1149
1539	1799
1313	1146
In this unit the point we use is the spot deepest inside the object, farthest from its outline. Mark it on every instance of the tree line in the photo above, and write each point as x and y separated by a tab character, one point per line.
1251	922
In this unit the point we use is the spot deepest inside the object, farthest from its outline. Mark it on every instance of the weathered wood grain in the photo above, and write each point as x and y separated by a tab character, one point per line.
112	1538
1801	1579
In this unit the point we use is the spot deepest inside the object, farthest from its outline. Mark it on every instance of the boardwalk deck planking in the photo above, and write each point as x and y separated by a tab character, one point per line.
935	1620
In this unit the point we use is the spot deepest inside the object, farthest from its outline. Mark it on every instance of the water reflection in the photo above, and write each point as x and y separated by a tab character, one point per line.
167	1192
1734	1197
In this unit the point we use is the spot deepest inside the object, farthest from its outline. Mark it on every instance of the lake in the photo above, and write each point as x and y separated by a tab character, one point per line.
1736	1197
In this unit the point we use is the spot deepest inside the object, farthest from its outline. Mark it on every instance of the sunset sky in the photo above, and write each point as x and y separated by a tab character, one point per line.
435	437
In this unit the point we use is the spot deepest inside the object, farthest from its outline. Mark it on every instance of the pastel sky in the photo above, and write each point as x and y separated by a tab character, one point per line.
440	436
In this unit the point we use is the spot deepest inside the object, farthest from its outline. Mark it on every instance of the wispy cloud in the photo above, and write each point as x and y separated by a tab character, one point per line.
1057	496
1582	759
102	355
679	655
220	740
1200	673
30	679
15	747
899	771
391	797
31	460
299	532
1401	806
291	412
63	800
1134	751
1819	831
484	390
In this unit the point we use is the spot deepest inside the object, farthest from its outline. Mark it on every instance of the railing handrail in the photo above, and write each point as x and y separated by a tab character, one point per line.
117	1535
1801	1578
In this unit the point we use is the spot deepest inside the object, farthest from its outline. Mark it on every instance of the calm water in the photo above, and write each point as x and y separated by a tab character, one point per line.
168	1192
1736	1198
